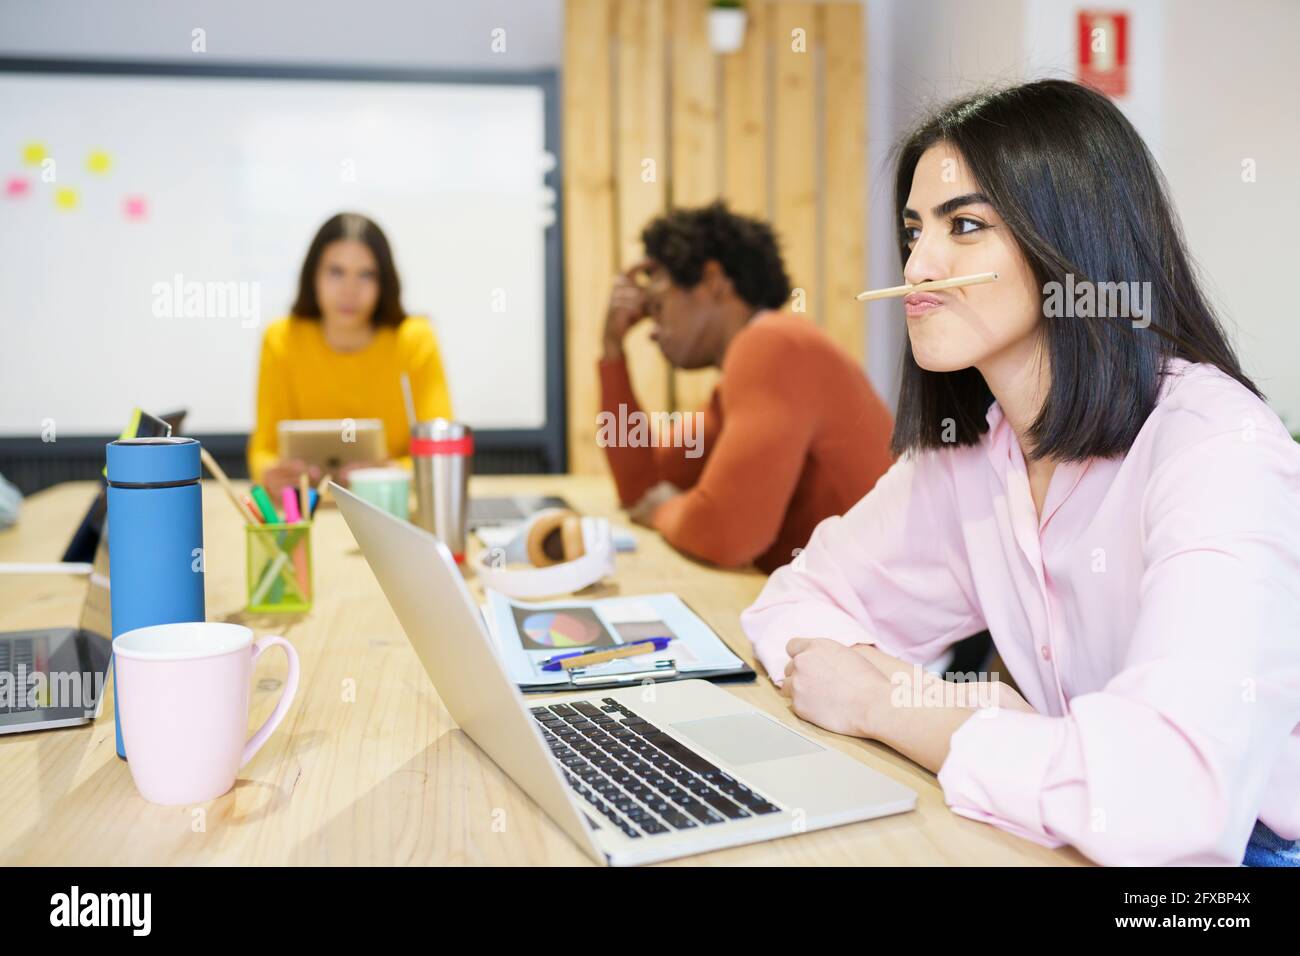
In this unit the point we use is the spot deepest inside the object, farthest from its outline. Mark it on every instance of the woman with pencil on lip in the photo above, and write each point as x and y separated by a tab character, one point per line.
343	351
1104	489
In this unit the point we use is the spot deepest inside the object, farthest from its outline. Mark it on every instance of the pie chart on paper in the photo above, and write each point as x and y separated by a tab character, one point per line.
557	629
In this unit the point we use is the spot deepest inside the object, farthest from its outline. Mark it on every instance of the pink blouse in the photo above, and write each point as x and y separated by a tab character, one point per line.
1151	616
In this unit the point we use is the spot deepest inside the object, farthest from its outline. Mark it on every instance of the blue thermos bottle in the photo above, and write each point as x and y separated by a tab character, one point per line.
155	537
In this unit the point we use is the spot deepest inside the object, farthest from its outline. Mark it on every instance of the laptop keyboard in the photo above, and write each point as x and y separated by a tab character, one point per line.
636	776
16	653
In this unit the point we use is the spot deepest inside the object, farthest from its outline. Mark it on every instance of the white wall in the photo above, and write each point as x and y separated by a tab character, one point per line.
1212	84
919	54
1235	69
447	34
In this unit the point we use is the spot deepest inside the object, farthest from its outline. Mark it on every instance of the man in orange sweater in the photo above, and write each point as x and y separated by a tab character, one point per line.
793	433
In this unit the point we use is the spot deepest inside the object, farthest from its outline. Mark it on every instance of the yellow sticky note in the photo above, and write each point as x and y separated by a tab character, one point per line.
33	153
65	197
99	161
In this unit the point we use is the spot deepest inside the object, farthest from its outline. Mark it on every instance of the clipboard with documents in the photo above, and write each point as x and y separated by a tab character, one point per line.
531	634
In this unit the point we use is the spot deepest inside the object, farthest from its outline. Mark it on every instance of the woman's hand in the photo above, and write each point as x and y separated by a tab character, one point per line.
851	690
833	686
285	475
344	473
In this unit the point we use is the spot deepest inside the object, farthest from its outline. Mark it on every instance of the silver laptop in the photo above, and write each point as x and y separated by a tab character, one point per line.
54	677
505	512
634	775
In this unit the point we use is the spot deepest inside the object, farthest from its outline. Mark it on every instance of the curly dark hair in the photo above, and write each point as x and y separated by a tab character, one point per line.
745	248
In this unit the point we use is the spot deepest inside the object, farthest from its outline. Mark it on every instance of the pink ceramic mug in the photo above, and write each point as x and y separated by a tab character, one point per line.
184	706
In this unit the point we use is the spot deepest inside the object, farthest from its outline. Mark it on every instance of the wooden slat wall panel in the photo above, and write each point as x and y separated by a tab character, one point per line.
588	216
642	135
794	153
695	153
745	120
744	126
845	179
694	106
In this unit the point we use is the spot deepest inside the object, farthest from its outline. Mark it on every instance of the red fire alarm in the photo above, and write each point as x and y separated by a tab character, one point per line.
1103	50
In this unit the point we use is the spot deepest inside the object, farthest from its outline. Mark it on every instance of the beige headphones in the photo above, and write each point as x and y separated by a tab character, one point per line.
564	551
554	536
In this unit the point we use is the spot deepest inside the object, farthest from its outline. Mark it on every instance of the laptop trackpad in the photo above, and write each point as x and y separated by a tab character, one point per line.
746	738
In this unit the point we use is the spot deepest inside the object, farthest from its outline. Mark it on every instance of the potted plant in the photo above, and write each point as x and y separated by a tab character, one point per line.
727	20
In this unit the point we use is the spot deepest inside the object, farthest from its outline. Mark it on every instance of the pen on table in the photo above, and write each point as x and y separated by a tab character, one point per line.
583	658
46	567
264	504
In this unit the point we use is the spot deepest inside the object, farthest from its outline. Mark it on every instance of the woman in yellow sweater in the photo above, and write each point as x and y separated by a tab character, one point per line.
342	351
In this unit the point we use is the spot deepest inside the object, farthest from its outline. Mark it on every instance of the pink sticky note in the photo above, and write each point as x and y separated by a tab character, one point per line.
135	208
17	187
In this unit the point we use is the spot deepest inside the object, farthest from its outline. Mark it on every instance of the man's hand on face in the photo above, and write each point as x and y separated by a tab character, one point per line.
627	306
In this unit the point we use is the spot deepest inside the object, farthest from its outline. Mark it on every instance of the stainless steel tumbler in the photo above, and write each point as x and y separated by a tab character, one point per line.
443	451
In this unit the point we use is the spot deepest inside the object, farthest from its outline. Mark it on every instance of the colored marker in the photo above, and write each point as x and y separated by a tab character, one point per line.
264	505
290	498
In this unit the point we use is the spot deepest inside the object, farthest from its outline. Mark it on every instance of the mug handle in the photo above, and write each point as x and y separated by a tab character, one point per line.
286	696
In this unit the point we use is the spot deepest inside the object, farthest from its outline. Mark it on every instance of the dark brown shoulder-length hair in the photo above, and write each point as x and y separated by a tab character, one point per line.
351	225
1082	196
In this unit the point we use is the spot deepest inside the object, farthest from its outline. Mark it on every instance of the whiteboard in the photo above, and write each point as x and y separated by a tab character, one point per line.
160	180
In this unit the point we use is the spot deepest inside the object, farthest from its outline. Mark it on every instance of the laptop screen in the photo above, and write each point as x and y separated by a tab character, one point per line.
96	613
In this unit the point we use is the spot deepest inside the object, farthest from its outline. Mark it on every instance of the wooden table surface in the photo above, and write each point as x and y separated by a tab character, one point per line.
368	767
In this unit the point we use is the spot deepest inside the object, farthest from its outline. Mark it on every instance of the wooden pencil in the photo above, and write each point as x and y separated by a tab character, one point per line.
897	290
218	473
320	489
